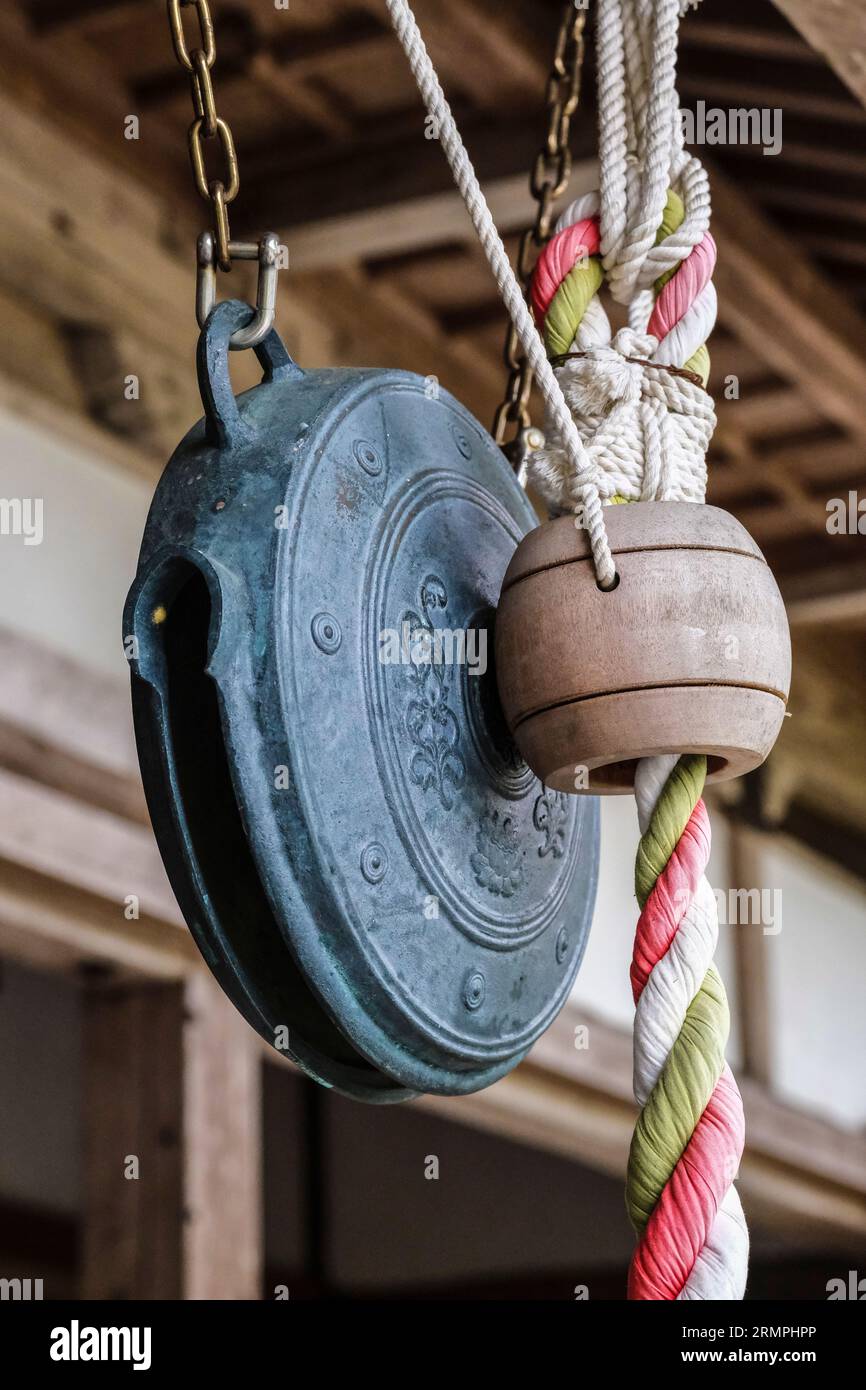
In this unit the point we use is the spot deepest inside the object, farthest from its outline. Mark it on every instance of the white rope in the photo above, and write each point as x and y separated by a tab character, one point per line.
643	156
617	427
595	329
641	145
582	486
646	430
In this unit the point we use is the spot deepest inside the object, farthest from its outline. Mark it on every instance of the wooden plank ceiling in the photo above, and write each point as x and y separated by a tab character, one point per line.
383	269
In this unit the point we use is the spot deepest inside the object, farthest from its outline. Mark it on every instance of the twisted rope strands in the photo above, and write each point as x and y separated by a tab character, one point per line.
654	245
688	1140
582	482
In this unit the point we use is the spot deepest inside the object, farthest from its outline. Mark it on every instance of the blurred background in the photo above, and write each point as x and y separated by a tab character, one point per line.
113	1041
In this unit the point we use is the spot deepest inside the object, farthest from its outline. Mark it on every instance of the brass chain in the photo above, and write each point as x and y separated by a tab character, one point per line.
548	181
206	125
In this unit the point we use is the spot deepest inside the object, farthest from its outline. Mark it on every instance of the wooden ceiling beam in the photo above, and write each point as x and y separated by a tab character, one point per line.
834	596
838	32
384	166
299	96
766	412
65	84
798	156
487	48
802	202
794	100
84	241
729	37
83	245
417	223
48	16
823	465
772	297
834	248
799	509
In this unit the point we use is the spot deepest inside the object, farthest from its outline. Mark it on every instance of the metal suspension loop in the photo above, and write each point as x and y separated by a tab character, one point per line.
267	253
216	248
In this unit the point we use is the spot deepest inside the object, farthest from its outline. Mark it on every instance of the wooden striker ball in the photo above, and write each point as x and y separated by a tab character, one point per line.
690	653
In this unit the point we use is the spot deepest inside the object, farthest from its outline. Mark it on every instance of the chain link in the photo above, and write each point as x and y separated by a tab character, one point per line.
548	181
206	125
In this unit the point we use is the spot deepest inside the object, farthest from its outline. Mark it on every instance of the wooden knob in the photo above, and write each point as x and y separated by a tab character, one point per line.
690	653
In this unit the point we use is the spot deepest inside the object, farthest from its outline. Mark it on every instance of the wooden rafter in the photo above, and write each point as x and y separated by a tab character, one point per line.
838	32
416	223
726	36
66	85
46	16
386	165
787	311
85	239
799	100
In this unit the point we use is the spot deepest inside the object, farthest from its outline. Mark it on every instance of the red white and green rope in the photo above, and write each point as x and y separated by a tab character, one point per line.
688	1141
686	1149
620	430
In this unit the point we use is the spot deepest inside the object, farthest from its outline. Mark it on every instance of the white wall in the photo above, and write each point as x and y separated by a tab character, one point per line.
69	591
817	972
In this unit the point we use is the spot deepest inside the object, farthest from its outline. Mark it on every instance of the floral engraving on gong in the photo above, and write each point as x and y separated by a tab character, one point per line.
550	815
430	722
497	862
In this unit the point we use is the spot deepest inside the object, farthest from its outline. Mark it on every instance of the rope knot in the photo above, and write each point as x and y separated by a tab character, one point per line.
608	376
646	426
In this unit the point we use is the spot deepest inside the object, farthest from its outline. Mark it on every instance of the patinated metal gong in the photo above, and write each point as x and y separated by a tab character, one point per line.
374	875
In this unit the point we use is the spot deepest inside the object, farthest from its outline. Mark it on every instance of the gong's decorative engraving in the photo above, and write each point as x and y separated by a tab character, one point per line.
368	456
505	900
497	862
474	990
327	633
431	724
374	862
550	816
462	440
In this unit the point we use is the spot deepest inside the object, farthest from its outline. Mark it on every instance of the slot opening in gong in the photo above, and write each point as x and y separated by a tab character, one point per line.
218	856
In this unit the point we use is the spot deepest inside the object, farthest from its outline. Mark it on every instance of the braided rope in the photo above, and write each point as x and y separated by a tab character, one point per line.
648	234
688	1140
647	431
582	482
